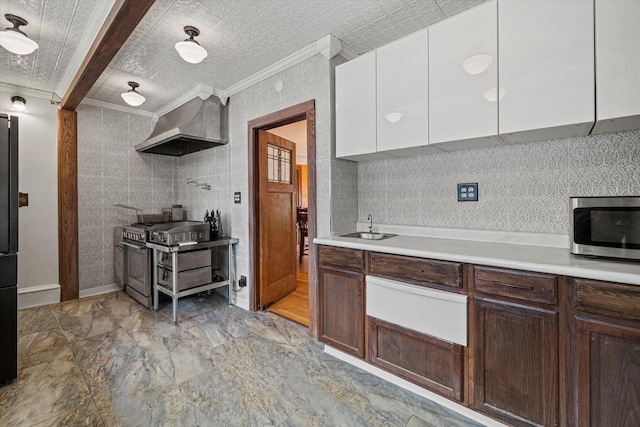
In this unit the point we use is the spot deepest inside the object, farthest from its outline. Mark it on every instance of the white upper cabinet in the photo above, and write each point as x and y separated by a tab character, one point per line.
463	79
546	71
356	107
402	93
617	65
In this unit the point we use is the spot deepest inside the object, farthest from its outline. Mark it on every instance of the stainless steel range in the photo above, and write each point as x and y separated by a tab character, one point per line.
138	259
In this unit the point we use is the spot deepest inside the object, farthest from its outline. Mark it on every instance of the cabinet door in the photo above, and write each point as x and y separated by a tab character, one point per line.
463	77
608	368
422	359
342	309
402	93
356	107
546	71
617	65
516	362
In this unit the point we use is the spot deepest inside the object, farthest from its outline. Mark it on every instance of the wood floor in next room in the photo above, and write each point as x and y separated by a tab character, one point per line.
107	360
295	306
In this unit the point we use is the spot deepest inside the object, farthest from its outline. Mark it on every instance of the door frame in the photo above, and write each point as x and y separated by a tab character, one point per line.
302	111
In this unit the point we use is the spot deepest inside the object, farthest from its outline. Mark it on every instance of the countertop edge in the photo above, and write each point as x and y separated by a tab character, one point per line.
600	270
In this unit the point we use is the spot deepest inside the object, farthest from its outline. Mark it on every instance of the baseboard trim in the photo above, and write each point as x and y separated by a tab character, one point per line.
36	296
462	410
99	290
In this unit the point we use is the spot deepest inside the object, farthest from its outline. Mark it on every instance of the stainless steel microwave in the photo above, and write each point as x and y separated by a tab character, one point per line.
606	227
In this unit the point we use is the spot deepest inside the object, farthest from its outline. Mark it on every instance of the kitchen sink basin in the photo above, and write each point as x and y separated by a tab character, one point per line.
369	235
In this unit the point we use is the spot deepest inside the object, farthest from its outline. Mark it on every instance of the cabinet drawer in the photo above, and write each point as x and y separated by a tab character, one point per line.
607	299
416	270
419	358
537	287
341	257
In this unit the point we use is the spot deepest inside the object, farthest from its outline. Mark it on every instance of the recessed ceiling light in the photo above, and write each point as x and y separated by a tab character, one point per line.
14	40
189	49
477	64
132	97
18	104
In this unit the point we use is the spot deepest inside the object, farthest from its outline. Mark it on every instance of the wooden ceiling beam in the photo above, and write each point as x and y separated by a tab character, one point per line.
122	20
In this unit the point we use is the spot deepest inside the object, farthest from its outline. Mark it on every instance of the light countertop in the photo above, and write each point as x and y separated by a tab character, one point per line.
541	259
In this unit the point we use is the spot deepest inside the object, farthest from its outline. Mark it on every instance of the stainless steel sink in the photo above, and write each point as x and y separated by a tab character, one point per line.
369	235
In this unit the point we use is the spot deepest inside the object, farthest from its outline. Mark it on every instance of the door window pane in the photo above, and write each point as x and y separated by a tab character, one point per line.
278	164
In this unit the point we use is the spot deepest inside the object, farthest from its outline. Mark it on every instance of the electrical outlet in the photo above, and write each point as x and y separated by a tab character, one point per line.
468	192
236	197
243	281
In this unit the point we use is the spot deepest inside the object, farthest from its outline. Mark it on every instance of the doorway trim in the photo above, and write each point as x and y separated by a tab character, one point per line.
303	111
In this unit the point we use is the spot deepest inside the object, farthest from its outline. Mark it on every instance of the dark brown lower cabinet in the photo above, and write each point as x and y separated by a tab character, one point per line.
516	362
424	360
605	371
342	309
608	368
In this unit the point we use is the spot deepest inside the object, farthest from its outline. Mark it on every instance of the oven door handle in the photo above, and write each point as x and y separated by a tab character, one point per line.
131	245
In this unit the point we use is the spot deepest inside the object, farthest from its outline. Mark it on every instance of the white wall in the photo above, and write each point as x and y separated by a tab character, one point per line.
38	176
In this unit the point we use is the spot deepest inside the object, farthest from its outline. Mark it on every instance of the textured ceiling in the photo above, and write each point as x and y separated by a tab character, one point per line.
243	37
57	26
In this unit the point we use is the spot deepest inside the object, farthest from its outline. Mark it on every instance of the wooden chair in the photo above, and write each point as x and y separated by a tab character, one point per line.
303	231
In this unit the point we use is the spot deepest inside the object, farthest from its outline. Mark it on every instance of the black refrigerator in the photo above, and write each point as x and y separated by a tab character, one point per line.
8	248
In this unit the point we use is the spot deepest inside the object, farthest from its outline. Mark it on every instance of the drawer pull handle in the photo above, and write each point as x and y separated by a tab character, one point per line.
513	285
413	270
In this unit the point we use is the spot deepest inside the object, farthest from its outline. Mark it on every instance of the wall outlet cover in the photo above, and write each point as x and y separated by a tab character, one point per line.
468	192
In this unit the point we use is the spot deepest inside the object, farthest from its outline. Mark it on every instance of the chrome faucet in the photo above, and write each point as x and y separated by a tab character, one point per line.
370	219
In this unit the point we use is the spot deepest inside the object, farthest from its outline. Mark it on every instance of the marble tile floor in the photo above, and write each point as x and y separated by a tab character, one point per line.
108	361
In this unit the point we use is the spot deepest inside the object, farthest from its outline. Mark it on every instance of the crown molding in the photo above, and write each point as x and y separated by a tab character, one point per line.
202	91
328	46
122	108
94	24
347	53
25	91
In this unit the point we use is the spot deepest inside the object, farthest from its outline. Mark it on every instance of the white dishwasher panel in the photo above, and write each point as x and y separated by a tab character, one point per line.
437	313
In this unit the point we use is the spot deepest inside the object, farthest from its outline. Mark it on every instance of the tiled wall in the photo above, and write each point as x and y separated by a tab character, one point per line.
522	187
111	171
226	168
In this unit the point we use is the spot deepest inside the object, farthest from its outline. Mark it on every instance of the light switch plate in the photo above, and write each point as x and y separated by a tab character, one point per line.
468	192
236	197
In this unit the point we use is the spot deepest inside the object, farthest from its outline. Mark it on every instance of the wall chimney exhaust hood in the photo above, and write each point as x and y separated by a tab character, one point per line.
195	126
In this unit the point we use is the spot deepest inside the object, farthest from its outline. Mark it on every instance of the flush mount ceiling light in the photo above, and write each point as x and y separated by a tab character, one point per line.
18	104
14	40
189	49
477	64
132	97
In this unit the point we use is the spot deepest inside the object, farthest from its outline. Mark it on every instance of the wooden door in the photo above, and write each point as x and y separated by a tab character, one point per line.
277	218
516	362
608	368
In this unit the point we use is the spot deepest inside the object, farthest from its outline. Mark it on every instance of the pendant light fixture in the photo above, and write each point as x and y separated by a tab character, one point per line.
18	104
14	40
132	97
189	49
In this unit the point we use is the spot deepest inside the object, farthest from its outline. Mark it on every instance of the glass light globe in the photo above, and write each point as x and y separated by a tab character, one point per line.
18	104
133	98
16	42
191	51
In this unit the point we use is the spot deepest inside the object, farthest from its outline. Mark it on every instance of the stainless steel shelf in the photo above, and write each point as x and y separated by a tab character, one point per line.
188	246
